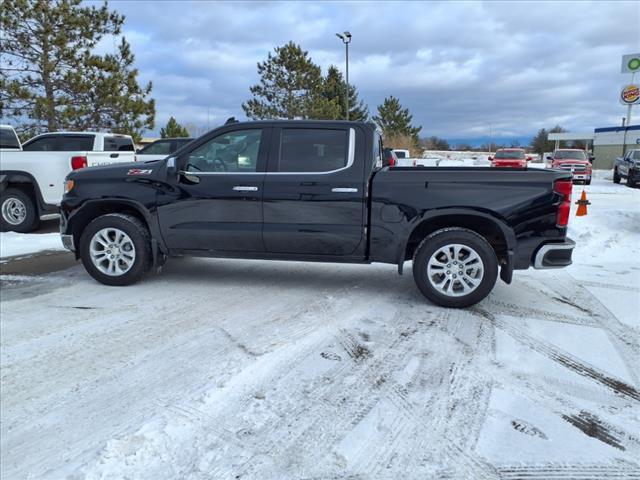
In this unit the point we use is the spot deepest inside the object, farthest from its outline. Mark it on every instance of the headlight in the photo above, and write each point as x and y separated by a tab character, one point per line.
68	185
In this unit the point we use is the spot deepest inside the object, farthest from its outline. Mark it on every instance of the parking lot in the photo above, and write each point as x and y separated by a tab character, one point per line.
252	369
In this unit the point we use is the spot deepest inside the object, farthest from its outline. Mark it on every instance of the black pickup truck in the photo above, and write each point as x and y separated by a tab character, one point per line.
317	191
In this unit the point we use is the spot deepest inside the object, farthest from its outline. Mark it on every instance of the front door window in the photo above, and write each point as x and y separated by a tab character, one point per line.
233	152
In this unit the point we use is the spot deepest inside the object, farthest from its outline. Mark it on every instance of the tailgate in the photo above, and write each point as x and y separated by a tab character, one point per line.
96	159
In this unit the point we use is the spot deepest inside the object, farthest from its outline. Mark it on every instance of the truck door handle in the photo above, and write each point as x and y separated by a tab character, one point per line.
242	188
344	190
114	155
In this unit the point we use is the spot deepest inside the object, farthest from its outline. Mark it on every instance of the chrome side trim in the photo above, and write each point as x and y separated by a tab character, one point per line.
242	188
344	190
539	258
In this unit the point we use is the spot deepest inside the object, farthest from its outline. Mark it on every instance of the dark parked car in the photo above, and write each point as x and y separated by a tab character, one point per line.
317	191
161	148
628	167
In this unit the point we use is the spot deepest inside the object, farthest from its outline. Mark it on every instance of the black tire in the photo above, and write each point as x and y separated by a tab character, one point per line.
455	235
587	182
616	176
631	181
31	219
140	237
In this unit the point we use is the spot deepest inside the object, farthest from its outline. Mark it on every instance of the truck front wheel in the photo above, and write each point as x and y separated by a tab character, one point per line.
116	249
455	267
616	176
19	211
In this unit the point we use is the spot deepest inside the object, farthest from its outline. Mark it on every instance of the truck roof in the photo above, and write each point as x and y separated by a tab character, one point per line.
97	134
303	122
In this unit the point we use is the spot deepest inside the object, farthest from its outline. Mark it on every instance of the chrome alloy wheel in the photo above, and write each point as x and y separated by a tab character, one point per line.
112	251
14	211
455	270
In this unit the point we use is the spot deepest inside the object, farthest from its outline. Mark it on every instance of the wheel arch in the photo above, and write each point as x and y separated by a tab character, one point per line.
498	234
93	209
25	182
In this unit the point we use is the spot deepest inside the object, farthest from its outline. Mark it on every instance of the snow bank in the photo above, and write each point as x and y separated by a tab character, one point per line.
12	243
617	227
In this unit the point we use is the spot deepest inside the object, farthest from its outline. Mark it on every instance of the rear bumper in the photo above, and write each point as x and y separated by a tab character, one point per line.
554	255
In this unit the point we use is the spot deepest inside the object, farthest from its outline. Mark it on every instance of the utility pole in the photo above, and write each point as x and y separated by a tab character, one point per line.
346	39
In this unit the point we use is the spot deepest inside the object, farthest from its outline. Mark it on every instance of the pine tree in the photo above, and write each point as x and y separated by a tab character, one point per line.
51	79
173	130
435	143
290	87
540	143
335	89
394	120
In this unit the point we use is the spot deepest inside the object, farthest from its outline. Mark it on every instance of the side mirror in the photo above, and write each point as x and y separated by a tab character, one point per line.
490	159
189	178
171	164
591	159
529	159
549	158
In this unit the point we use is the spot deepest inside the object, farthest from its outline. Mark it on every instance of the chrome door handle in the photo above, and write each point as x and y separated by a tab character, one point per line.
344	190
241	188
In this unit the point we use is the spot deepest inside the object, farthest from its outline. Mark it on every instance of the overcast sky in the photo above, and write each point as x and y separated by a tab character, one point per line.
458	66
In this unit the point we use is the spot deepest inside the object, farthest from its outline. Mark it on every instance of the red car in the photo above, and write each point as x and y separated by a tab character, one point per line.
510	157
574	160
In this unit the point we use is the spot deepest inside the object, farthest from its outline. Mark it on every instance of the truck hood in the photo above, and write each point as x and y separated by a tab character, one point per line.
570	161
507	162
117	170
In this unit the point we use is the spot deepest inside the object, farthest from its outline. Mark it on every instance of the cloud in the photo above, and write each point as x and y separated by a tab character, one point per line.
458	66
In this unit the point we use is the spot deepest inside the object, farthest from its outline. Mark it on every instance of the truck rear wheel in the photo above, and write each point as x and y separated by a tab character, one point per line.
455	267
18	211
115	249
616	176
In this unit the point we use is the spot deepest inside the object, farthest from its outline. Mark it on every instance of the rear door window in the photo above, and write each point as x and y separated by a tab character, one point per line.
313	150
74	143
60	143
118	144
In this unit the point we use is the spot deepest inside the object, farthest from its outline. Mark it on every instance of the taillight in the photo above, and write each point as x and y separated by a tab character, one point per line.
78	162
564	188
392	162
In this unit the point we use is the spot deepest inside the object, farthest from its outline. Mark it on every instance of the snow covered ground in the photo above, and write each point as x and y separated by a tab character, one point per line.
270	370
12	243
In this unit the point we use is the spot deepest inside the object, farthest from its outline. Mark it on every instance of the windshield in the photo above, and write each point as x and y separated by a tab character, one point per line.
510	155
569	155
636	155
8	139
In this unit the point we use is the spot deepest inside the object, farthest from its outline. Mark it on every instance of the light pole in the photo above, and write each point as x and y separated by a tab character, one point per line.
346	39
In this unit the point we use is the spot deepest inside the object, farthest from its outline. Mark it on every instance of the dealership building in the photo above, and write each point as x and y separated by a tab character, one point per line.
608	143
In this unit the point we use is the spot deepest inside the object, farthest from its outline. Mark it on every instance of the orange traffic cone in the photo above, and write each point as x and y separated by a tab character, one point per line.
582	204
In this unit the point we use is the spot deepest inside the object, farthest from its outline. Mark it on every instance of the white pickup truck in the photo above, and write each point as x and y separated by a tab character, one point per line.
32	177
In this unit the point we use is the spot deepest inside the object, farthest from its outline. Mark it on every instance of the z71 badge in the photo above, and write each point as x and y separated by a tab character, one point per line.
139	171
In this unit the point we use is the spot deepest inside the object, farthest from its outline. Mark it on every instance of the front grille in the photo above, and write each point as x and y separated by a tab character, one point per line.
573	167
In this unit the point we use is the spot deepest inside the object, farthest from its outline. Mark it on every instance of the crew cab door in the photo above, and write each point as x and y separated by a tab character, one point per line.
216	202
314	191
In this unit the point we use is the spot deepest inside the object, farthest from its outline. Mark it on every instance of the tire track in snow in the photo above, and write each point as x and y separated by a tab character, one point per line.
364	391
570	472
563	358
